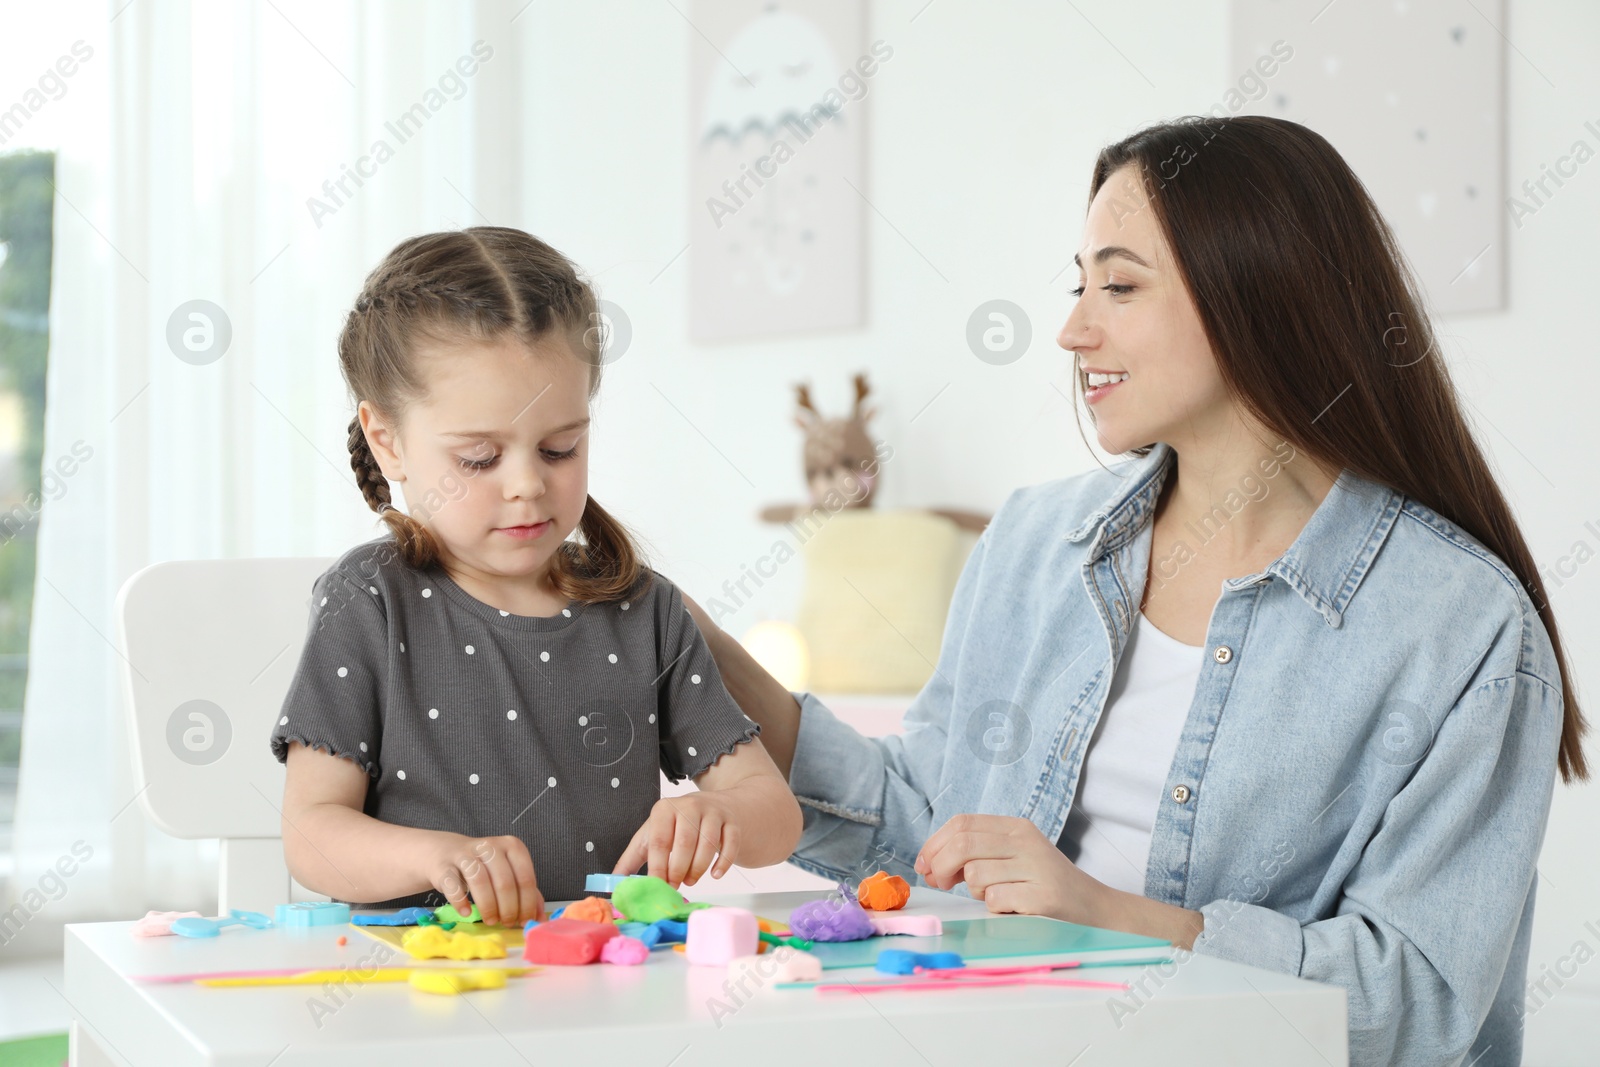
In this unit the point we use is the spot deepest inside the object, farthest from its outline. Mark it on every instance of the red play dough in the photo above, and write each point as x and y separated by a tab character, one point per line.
567	941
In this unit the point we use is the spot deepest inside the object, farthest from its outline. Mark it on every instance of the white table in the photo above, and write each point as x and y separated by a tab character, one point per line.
663	1012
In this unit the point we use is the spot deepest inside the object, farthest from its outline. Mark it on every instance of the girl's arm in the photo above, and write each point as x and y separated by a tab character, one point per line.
333	847
769	817
759	694
743	813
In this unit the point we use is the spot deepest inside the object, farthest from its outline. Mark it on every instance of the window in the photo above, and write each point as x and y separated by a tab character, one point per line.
25	230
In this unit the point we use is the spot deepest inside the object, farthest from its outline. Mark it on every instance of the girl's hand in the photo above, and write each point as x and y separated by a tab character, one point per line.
681	838
1009	865
496	873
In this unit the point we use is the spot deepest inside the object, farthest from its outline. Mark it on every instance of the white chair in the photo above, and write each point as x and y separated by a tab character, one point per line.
211	646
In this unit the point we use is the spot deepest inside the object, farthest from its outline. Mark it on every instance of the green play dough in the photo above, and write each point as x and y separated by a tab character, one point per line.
448	914
643	898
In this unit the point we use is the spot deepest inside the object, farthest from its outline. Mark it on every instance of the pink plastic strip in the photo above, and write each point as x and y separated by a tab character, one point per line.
873	987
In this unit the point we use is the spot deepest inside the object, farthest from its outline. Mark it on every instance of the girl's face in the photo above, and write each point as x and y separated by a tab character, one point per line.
495	462
1136	318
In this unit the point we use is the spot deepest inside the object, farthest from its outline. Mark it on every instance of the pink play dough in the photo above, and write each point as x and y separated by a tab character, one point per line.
915	925
624	950
159	923
781	964
717	935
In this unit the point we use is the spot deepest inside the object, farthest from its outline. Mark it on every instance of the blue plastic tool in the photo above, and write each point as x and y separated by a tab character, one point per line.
200	927
603	883
312	913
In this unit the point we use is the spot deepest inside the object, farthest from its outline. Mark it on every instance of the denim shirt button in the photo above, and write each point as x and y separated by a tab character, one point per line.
1223	654
1180	793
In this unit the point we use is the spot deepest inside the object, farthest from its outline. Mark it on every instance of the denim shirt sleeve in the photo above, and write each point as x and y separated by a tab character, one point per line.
868	802
1438	902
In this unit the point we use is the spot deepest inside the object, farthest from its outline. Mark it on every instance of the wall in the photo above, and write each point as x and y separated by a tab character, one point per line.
984	125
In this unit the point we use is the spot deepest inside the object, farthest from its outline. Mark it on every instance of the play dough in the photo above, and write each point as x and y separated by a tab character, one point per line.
834	918
644	898
883	892
567	942
717	935
590	909
432	943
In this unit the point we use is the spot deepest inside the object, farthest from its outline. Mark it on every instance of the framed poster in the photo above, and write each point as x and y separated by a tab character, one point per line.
777	98
1413	96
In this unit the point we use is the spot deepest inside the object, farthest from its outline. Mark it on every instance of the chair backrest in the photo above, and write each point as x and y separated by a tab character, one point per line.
210	649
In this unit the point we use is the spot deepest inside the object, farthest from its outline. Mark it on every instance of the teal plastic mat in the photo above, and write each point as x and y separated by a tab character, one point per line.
977	939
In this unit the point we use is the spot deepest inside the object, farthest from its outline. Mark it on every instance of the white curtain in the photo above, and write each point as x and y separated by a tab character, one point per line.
198	134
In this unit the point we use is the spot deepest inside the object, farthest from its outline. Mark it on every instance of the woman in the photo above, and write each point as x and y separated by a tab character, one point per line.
1340	767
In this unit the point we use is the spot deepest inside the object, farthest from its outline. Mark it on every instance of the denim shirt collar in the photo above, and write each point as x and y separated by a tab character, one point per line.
1325	564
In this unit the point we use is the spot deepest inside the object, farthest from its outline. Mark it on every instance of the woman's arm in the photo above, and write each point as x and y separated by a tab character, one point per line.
768	816
759	694
1135	914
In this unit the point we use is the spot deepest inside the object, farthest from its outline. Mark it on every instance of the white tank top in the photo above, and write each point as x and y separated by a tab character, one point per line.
1125	769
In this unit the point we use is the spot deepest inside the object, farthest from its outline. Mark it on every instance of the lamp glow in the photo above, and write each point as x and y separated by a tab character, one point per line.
781	649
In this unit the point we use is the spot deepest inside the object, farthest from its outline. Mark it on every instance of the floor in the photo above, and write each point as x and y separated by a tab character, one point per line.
29	1003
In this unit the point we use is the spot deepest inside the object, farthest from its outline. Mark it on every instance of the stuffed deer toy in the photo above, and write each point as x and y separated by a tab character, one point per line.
842	463
839	455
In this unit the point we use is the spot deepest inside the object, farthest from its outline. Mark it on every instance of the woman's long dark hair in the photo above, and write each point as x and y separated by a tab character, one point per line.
482	283
1286	256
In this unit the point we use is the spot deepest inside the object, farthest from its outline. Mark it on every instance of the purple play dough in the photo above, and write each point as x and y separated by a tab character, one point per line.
833	918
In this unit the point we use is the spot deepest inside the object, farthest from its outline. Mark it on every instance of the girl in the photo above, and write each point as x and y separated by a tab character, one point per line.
482	706
1284	687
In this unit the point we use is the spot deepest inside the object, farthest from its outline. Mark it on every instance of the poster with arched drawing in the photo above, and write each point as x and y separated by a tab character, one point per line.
778	96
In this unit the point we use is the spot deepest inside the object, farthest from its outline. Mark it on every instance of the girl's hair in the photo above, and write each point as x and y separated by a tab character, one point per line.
1318	326
483	284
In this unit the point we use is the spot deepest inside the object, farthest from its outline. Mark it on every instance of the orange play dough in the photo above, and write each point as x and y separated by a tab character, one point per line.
589	909
883	892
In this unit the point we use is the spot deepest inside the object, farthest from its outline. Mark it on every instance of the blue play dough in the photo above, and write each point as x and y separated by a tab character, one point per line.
403	917
656	934
902	961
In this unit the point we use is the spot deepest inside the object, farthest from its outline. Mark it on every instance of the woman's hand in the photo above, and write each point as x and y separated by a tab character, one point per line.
1009	865
682	837
495	872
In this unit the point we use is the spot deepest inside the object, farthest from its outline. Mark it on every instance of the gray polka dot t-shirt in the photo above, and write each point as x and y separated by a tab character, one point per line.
475	721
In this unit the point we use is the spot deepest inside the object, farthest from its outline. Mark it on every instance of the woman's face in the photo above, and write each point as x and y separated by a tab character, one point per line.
1134	318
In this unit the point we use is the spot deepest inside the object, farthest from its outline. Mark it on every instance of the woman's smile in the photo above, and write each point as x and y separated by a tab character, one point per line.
1097	384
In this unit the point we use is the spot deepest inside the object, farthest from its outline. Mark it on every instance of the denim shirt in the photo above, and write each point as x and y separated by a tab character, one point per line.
1364	776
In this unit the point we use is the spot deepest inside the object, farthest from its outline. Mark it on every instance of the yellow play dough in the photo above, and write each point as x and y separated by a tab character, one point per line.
450	983
432	943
